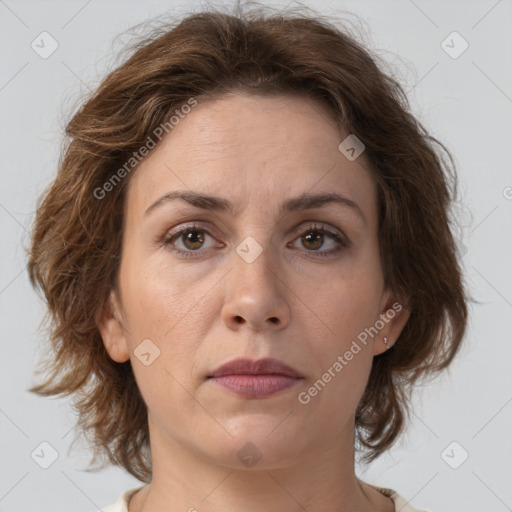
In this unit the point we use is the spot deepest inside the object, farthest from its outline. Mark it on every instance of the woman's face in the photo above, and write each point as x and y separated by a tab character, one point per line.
261	272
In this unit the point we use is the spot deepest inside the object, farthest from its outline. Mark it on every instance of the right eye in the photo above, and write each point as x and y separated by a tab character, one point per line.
192	238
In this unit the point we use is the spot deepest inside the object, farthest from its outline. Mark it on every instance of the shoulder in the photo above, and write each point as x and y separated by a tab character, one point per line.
401	504
121	505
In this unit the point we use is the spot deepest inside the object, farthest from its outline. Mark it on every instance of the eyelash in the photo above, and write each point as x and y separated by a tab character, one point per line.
168	240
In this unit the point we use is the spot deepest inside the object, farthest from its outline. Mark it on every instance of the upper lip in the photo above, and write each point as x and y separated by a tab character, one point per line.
266	366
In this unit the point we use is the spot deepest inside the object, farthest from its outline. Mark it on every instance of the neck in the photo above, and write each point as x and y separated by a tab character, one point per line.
324	479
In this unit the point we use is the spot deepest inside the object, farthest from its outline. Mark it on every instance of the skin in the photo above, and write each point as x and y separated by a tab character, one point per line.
289	303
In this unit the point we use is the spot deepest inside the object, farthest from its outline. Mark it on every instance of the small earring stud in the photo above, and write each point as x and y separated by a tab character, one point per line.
386	342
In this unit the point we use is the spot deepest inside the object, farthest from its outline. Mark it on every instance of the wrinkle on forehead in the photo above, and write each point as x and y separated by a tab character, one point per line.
254	150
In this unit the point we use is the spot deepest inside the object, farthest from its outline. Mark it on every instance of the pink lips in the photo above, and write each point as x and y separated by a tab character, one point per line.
255	379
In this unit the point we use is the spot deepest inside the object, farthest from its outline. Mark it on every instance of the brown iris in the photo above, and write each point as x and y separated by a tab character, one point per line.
313	237
195	238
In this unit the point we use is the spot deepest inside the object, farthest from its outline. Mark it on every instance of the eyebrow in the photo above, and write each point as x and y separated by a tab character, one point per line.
305	201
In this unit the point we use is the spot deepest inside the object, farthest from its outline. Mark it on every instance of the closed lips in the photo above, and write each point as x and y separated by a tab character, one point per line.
267	366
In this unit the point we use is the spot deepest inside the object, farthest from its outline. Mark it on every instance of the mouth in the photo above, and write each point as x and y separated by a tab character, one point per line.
255	378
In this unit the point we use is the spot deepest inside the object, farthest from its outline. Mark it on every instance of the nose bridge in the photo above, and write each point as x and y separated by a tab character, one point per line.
255	263
256	233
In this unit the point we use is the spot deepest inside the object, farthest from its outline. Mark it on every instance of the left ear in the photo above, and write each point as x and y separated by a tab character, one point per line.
394	316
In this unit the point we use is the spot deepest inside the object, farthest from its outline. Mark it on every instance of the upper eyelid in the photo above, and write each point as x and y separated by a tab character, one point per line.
302	225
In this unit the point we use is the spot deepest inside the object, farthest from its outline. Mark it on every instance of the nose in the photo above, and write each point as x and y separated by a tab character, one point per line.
256	295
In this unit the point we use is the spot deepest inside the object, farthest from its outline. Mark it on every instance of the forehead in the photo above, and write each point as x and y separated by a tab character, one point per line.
253	149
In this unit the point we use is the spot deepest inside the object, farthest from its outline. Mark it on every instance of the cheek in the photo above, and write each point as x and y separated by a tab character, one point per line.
340	375
343	350
349	305
163	322
156	297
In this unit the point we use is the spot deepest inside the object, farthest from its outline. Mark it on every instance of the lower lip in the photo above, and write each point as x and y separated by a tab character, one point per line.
256	386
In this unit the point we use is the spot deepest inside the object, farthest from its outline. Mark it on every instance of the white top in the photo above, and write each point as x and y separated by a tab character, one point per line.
401	504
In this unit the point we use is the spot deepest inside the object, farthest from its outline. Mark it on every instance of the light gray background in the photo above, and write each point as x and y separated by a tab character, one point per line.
466	102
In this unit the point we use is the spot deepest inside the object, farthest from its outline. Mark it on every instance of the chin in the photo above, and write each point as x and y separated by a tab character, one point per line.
257	443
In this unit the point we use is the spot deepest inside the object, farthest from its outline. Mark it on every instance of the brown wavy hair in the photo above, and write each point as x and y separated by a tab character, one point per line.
76	239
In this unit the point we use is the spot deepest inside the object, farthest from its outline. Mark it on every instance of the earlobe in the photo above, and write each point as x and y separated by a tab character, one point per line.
394	317
112	331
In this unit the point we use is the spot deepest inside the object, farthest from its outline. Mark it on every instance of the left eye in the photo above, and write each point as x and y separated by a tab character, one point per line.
312	238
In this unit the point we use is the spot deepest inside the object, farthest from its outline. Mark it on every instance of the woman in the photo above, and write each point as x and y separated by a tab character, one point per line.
248	263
